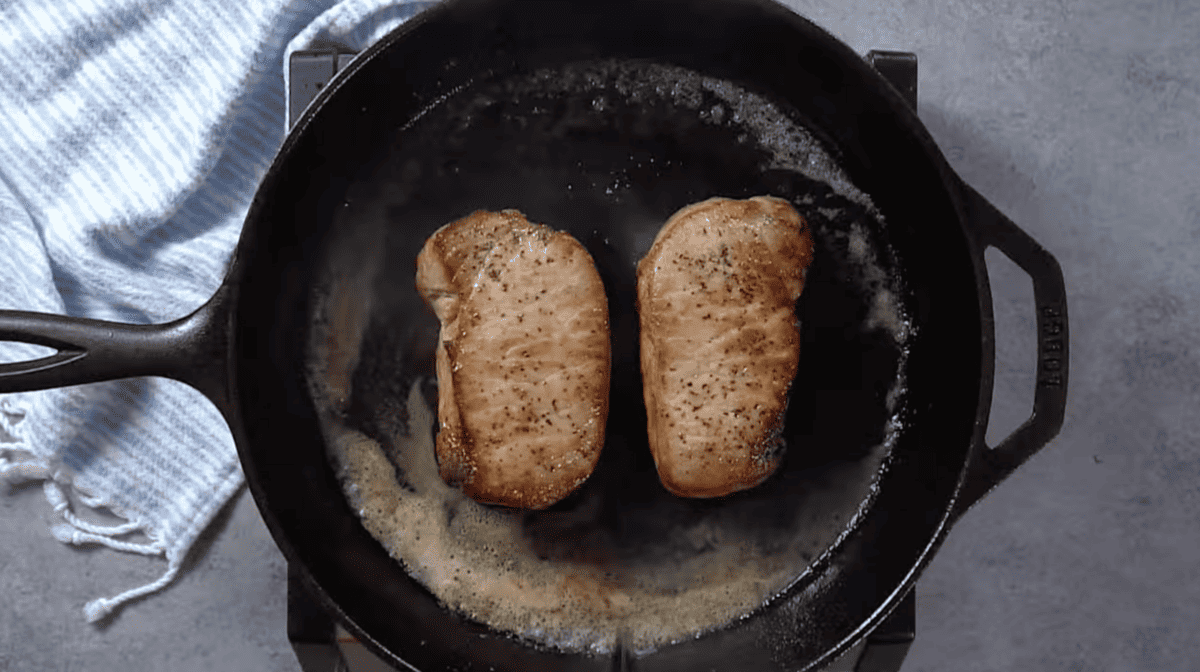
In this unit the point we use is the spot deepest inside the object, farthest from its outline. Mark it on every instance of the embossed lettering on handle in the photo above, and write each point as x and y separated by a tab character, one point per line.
989	466
1052	350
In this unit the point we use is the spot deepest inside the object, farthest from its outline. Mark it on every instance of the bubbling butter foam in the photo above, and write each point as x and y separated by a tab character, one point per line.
706	569
479	560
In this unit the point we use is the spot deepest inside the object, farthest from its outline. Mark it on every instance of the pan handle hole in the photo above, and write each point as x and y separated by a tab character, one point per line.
12	352
1016	346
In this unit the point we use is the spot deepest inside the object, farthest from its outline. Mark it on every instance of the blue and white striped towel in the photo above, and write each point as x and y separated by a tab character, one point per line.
133	134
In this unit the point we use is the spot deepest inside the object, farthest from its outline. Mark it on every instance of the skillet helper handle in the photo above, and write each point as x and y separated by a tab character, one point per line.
192	349
992	465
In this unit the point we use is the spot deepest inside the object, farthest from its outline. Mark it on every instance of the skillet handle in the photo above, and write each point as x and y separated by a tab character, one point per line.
192	349
990	466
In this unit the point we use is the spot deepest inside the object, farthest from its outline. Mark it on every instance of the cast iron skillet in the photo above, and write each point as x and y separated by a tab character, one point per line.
245	348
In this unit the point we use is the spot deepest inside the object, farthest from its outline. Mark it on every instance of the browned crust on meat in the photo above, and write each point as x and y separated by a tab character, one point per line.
720	342
523	359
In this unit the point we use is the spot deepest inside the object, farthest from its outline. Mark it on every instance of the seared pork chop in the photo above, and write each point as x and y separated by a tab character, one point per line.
720	341
523	361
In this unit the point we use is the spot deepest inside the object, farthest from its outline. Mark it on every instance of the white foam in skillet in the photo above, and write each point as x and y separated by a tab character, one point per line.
476	559
790	145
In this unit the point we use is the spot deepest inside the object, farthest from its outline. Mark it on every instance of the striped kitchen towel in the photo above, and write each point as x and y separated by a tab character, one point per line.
133	134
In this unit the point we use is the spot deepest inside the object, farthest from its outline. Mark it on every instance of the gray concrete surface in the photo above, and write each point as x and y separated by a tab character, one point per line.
1081	121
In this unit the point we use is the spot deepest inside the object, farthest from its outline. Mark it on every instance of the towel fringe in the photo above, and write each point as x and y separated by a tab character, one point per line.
17	471
58	499
70	535
32	467
78	532
101	607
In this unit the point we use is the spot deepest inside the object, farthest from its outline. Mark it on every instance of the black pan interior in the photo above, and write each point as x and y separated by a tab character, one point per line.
608	151
458	115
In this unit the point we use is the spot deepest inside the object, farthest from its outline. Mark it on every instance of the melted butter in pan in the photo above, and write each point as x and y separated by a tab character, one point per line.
692	573
659	568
